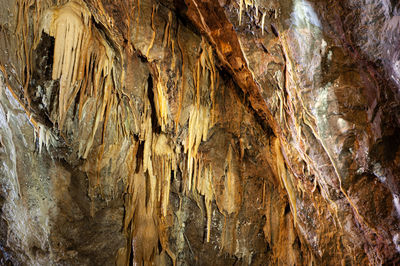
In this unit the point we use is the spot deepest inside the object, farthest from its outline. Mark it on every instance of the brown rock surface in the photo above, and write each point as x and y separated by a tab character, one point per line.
199	132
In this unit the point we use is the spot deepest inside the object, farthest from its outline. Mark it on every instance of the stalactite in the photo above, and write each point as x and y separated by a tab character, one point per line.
154	31
139	223
83	62
198	129
167	31
262	22
45	137
201	119
87	65
231	186
284	177
161	104
204	186
90	69
165	157
205	73
181	90
240	11
25	54
199	175
147	197
248	3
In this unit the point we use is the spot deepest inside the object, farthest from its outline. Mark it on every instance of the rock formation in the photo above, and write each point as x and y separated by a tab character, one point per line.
199	132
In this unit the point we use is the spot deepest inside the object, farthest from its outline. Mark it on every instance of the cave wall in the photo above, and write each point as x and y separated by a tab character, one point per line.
199	132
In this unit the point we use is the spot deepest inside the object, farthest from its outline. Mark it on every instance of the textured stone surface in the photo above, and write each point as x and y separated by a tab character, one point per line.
199	132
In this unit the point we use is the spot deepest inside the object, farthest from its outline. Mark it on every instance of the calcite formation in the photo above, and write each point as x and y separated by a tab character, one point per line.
199	132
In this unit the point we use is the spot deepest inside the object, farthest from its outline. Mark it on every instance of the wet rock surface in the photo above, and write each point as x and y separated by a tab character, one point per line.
199	132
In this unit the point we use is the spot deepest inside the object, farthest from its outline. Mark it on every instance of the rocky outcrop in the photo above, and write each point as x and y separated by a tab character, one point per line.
199	132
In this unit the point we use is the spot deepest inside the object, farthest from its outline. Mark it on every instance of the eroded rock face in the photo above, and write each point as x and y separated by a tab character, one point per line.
199	132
